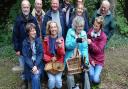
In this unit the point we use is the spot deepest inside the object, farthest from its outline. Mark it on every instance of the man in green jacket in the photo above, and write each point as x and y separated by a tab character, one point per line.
109	21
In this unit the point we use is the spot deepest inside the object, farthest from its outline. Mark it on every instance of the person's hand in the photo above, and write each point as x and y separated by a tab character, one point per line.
53	59
93	63
18	53
80	40
34	69
59	42
89	41
84	39
64	9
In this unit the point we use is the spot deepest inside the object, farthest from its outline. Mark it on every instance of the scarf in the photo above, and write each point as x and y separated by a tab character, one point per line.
95	34
52	43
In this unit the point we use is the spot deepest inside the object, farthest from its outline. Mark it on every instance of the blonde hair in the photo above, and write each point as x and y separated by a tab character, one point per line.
48	32
100	20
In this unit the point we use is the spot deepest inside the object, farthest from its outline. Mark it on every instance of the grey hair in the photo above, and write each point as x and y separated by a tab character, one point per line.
78	21
106	2
25	1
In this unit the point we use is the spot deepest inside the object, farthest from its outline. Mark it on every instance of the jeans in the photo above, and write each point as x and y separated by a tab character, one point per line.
21	64
71	81
94	73
54	80
36	80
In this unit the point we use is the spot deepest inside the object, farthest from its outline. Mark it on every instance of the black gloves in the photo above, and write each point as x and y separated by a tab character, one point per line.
79	40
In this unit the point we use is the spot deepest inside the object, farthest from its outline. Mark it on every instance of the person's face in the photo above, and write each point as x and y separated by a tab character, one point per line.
104	9
38	6
96	26
32	33
79	29
53	29
80	10
25	8
55	5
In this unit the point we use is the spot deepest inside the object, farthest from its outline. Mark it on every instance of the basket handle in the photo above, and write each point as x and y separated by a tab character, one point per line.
76	52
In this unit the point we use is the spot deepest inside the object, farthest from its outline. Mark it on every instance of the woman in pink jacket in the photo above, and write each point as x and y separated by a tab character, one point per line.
97	41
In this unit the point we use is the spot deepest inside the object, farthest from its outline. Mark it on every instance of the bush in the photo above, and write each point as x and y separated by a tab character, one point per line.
122	25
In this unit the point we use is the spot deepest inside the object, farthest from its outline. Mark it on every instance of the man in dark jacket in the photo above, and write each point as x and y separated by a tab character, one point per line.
67	8
109	21
19	30
56	15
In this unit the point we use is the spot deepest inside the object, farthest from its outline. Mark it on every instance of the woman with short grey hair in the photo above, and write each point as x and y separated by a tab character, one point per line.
78	21
77	38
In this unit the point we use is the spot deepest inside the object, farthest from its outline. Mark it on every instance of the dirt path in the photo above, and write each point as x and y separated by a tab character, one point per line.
115	73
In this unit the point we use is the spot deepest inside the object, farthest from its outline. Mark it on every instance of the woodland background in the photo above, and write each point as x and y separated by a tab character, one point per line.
115	73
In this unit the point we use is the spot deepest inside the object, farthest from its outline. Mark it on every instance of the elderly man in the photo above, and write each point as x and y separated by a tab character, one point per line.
38	13
56	15
109	23
19	32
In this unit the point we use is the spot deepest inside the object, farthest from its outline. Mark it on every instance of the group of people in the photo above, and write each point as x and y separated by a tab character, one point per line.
40	38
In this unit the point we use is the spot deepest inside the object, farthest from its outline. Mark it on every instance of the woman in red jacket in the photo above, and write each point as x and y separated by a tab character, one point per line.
97	41
53	51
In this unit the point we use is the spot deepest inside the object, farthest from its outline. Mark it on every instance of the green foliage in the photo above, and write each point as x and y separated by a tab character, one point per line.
118	40
6	35
46	5
14	11
122	25
6	27
7	52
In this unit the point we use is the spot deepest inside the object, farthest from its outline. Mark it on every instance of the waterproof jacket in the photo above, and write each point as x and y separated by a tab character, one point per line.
96	48
60	52
109	23
48	17
71	44
65	10
27	55
19	31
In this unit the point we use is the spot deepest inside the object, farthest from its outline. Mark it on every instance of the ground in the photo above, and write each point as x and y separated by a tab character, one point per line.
114	75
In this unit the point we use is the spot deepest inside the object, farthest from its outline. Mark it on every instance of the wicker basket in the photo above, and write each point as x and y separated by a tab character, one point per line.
54	67
74	63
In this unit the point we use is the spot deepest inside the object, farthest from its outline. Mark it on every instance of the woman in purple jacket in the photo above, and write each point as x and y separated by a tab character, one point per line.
97	41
